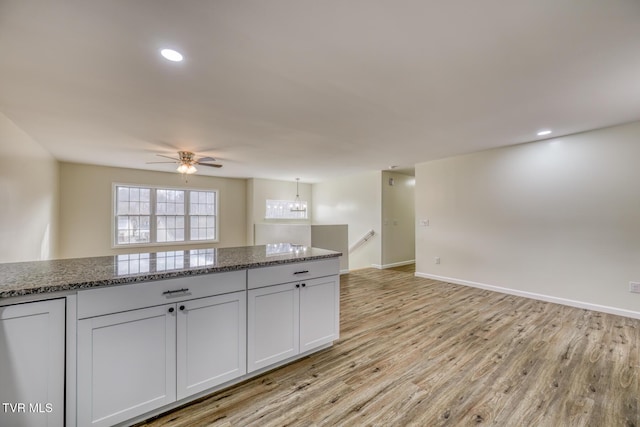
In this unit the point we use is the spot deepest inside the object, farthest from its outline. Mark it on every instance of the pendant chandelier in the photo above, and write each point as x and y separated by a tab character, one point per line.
297	204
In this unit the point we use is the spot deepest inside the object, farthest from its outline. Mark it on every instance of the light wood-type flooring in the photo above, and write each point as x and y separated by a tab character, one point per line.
416	352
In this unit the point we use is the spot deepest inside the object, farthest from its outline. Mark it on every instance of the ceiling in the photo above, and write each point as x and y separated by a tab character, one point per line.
312	89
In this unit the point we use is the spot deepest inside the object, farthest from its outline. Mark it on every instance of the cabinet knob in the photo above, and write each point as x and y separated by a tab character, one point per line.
304	284
298	285
181	307
171	309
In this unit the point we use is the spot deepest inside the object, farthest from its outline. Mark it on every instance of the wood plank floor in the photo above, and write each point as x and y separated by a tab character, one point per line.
416	352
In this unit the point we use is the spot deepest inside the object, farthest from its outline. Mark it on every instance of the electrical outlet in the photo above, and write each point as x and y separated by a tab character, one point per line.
437	261
424	222
634	287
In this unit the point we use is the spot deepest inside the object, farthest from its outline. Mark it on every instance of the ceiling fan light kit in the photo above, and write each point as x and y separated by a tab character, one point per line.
187	169
187	162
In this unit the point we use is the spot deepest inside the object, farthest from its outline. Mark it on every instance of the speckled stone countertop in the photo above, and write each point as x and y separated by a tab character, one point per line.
39	277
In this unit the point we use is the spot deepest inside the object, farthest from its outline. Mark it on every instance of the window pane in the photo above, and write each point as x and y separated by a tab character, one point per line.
281	209
202	210
167	230
122	208
133	229
170	202
210	233
145	208
123	222
123	194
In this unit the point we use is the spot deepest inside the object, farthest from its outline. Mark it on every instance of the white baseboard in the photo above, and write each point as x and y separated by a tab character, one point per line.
345	271
395	264
532	295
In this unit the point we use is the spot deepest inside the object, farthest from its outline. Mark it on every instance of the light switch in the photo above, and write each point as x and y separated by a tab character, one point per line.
424	222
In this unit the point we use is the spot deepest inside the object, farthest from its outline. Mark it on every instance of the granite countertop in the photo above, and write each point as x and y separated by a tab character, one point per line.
39	277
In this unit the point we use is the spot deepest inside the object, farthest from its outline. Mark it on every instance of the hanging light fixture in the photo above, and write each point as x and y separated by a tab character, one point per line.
187	162
297	204
186	168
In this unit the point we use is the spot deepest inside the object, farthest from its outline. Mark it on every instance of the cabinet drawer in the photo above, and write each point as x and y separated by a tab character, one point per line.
100	301
284	273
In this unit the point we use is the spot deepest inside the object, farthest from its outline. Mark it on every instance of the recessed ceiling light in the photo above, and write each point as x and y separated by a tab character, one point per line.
544	132
171	55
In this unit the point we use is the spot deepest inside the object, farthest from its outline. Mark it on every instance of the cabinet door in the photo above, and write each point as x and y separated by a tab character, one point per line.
273	325
211	342
319	312
32	344
126	364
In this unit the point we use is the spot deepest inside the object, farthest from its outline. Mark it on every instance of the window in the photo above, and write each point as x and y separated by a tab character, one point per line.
150	215
281	209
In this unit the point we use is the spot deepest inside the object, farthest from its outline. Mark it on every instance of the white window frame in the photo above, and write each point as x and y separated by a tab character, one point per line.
153	215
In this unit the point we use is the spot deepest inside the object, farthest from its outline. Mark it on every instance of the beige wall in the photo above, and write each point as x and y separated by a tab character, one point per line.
334	238
86	210
398	219
29	194
261	190
356	201
557	219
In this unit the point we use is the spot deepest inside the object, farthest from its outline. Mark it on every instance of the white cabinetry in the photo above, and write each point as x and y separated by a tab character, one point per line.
135	361
126	365
211	341
32	345
273	330
319	312
287	319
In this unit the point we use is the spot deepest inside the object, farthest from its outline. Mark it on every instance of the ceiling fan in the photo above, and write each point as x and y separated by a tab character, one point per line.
186	162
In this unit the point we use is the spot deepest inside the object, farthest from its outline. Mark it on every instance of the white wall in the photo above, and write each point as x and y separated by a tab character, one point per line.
558	218
29	193
398	219
85	207
356	201
261	190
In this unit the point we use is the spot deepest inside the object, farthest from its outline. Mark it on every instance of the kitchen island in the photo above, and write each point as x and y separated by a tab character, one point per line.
118	339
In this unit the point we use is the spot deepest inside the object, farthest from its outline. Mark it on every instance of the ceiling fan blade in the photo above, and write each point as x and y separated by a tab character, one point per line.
167	157
150	163
213	165
207	159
